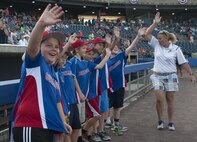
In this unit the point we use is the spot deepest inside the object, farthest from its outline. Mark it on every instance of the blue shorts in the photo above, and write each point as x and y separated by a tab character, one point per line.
104	102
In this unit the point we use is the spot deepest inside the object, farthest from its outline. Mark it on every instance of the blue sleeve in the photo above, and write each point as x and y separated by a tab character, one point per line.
91	66
73	66
97	60
124	58
30	63
58	97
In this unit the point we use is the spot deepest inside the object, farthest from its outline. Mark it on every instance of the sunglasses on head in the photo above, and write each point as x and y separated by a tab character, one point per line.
163	32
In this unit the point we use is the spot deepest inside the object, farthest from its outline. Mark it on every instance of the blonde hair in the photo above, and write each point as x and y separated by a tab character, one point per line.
171	36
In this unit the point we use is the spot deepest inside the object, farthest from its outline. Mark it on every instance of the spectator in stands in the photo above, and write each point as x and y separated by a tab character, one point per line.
3	32
24	40
38	113
164	76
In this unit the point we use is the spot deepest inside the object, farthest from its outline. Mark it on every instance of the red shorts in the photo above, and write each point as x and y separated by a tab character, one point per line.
92	108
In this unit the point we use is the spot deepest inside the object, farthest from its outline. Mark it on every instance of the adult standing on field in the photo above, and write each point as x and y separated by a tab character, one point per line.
164	78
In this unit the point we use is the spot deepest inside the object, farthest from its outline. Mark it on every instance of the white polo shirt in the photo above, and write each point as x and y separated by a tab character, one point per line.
165	58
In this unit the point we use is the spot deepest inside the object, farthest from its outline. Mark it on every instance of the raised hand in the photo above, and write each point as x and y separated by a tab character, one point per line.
108	51
116	32
72	39
108	38
141	31
51	15
157	17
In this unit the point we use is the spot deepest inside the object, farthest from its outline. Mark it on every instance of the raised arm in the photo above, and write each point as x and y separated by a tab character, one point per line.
150	29
117	38
103	62
49	17
141	32
72	39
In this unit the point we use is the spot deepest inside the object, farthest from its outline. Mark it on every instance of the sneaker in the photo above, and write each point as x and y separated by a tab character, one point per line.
108	125
122	128
171	126
160	125
104	136
116	130
95	137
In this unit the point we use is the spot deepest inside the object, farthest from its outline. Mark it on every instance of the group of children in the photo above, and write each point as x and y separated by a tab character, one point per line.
52	87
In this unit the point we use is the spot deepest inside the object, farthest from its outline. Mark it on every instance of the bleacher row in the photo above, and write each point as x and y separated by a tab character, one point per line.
186	47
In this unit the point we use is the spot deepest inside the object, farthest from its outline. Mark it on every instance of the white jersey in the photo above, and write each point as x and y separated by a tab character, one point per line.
165	58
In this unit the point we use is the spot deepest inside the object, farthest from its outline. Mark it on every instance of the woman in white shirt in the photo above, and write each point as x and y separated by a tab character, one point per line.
164	77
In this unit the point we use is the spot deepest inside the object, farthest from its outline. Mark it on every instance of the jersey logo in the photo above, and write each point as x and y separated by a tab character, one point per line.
52	81
114	66
83	72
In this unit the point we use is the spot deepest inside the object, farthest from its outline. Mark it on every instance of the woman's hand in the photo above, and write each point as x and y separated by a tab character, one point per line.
157	18
141	31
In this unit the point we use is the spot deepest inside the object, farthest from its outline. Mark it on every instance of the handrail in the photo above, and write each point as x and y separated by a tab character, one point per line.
8	89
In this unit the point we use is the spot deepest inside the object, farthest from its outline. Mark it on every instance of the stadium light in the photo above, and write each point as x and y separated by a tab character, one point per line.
157	9
84	6
119	13
173	13
107	7
93	12
134	8
11	6
186	9
66	10
39	9
33	2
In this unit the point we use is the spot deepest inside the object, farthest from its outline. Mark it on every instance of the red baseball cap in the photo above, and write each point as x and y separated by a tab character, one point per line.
97	40
88	49
57	35
79	43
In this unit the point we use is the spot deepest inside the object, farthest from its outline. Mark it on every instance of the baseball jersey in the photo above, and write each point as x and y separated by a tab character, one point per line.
69	82
116	70
165	58
104	74
82	69
64	95
39	97
20	89
94	85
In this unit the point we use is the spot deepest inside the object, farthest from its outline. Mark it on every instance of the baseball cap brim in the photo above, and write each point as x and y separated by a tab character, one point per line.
91	49
57	35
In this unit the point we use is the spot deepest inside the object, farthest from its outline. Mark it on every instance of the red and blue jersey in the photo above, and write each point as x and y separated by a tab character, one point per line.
104	74
20	89
94	85
69	83
116	70
82	69
38	97
63	93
